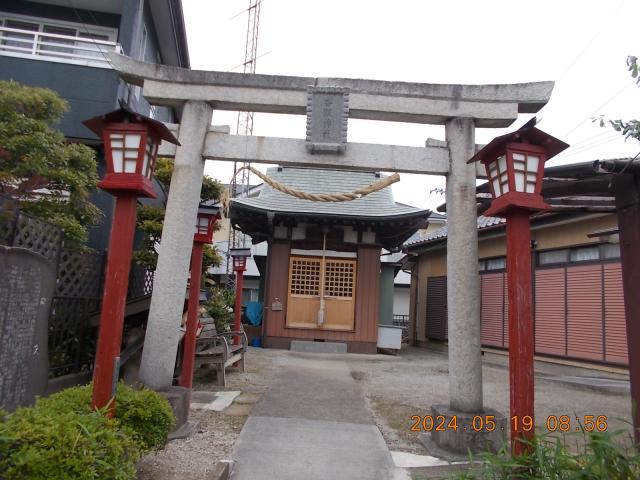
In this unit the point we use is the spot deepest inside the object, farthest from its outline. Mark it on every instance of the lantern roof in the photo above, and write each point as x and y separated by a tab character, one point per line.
528	133
123	114
209	209
240	252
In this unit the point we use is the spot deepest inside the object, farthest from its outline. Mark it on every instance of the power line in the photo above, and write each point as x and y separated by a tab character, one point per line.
590	43
591	116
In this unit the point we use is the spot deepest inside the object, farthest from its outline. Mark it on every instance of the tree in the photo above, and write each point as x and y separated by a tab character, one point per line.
150	219
628	128
49	177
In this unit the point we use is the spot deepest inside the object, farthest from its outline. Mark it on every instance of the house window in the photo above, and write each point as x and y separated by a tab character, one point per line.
610	250
588	253
18	41
584	254
23	35
497	263
553	256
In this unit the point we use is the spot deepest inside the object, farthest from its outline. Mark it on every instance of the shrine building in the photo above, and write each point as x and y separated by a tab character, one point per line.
320	280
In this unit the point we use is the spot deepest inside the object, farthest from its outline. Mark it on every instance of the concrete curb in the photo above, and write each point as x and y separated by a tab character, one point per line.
222	470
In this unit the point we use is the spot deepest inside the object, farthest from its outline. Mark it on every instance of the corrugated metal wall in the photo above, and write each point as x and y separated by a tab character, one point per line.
615	328
579	311
584	312
493	308
550	305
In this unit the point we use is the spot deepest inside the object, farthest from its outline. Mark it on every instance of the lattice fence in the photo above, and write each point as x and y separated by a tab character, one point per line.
140	282
77	299
38	236
8	215
76	302
402	321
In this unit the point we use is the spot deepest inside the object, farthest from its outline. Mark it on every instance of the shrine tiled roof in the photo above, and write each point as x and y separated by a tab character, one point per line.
483	222
379	204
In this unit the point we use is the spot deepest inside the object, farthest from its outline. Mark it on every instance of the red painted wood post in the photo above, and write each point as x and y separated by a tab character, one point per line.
114	299
627	193
521	335
237	310
189	350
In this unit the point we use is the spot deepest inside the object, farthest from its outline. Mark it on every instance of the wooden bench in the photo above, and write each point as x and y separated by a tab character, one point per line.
218	349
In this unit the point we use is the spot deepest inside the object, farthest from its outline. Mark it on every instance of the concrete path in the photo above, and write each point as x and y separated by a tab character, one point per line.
312	423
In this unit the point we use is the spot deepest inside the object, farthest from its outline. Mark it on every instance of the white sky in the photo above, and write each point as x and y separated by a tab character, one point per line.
581	45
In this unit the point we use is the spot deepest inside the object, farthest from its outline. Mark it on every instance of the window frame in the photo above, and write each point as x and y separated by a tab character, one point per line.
42	23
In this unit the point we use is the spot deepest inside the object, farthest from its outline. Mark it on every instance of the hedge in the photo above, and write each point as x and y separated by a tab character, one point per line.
61	438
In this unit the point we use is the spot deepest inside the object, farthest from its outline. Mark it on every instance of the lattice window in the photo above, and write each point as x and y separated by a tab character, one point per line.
339	278
304	276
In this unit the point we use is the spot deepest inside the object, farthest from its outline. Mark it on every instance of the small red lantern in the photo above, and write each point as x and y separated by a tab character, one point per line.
240	256
515	168
205	223
131	144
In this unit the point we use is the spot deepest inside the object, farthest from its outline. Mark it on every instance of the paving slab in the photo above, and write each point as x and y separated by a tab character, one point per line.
312	423
216	401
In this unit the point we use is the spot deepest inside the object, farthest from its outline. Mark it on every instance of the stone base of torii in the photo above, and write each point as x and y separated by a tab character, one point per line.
461	108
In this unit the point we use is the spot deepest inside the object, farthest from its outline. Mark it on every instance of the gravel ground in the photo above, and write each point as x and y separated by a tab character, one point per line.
195	457
395	387
398	387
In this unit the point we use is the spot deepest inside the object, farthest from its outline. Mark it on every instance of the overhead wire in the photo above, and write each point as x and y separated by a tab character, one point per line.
86	30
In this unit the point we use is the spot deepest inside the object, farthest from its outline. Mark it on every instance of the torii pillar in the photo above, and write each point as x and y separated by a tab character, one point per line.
463	307
463	290
163	330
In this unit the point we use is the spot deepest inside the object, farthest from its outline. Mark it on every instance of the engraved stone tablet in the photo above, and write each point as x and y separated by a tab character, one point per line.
26	286
327	116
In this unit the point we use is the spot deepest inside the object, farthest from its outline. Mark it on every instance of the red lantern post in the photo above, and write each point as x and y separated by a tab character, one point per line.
515	169
205	226
239	256
131	144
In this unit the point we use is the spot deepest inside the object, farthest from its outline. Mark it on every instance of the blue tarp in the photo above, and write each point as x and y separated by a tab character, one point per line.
253	312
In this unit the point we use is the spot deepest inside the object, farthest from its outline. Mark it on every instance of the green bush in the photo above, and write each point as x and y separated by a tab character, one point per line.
141	413
42	444
147	415
603	456
220	306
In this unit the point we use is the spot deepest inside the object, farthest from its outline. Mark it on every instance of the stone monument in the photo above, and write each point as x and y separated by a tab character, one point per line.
27	285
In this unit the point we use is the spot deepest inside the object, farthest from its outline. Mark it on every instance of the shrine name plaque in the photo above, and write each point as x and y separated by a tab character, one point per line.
327	118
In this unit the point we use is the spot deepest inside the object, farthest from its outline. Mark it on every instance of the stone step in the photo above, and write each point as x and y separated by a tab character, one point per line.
317	347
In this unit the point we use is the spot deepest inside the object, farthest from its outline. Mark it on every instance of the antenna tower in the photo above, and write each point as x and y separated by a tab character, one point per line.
244	126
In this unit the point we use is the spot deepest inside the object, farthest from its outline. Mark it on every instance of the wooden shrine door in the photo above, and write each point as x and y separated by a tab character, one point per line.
306	285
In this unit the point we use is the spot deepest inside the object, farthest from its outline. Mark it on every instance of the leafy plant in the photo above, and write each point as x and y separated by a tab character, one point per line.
48	176
44	444
142	414
151	219
603	456
220	307
628	128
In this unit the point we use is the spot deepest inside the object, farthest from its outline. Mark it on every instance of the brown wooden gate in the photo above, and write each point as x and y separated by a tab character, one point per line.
309	279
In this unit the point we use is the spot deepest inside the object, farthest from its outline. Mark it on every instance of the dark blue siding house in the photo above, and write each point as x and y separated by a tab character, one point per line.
63	45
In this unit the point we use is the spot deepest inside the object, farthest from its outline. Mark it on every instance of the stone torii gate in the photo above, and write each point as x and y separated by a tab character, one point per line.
461	108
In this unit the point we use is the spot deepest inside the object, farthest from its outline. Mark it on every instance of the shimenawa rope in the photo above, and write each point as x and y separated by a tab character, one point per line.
321	197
